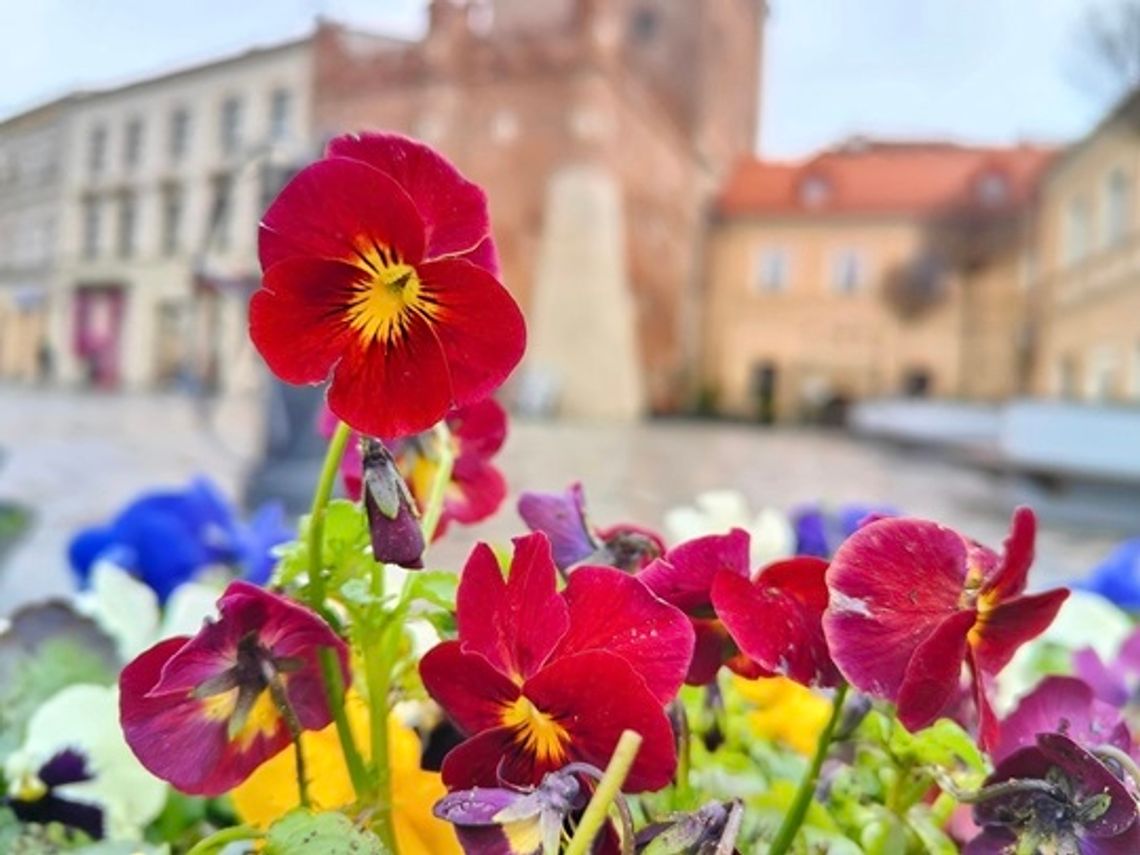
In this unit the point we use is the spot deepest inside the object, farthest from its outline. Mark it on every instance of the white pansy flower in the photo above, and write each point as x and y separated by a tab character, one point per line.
718	511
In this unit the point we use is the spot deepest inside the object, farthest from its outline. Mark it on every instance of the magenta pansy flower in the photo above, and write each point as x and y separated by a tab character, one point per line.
204	712
912	602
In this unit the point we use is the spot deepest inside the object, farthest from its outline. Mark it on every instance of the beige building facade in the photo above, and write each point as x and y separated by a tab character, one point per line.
1090	266
871	269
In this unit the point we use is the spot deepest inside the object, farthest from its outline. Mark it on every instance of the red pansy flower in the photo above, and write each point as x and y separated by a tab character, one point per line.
477	487
379	271
912	601
758	626
538	679
204	712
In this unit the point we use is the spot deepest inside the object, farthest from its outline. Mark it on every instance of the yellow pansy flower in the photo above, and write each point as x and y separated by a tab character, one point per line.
271	791
784	711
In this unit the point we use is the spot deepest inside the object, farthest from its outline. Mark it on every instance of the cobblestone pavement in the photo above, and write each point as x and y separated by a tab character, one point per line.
75	458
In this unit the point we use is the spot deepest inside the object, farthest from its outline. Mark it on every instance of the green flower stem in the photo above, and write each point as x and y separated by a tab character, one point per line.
223	837
330	667
794	818
608	789
281	701
446	464
379	652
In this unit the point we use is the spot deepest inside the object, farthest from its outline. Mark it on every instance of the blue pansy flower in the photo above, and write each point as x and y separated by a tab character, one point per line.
1117	578
166	537
820	530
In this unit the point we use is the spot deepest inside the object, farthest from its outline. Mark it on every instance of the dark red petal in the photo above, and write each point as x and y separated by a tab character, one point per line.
298	321
479	326
1004	628
1092	776
480	428
891	585
485	255
340	209
713	645
471	692
392	389
175	741
775	621
684	575
475	762
477	490
1017	556
453	209
610	610
596	695
515	623
934	672
1062	704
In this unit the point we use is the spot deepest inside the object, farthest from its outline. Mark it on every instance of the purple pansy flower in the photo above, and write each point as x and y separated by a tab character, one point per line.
819	530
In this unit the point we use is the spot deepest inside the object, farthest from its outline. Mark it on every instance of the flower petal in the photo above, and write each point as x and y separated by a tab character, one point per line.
1004	628
477	491
298	321
454	210
891	583
478	324
476	762
173	738
594	696
392	389
480	428
515	623
1061	704
712	647
340	209
1091	776
471	692
684	575
1010	577
775	621
610	610
934	672
562	517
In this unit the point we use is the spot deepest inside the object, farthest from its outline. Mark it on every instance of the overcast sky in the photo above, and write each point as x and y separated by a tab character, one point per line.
985	70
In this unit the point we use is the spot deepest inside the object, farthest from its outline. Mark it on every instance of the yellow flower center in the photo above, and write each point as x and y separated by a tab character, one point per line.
261	719
381	307
537	731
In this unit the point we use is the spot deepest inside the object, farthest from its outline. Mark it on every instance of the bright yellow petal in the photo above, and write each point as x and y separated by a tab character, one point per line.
785	711
271	791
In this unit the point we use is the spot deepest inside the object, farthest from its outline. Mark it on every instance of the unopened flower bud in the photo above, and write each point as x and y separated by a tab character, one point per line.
393	519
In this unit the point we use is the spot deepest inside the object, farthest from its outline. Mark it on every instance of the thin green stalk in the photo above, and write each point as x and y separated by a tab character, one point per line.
445	466
281	701
608	789
794	818
223	837
378	654
330	666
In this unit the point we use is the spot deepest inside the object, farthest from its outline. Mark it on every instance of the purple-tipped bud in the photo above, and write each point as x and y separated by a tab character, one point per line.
393	520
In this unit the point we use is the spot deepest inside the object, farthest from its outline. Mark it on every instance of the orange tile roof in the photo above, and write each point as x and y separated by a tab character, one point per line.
875	177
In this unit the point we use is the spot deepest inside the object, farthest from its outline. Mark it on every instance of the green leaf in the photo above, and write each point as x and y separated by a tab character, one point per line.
302	833
934	839
943	744
437	587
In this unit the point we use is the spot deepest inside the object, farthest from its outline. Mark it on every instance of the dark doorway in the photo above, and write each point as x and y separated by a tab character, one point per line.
764	378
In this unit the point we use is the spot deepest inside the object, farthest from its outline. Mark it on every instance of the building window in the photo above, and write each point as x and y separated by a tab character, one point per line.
171	218
993	190
127	223
231	125
280	108
90	227
847	271
644	25
1075	238
179	133
97	150
1117	207
221	211
771	273
132	143
1100	383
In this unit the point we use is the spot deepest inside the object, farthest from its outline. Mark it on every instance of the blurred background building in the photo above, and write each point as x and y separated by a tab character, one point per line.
616	139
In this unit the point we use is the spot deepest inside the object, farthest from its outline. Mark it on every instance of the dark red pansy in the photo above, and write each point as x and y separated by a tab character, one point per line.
476	488
538	679
912	601
203	712
758	626
379	273
1062	705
